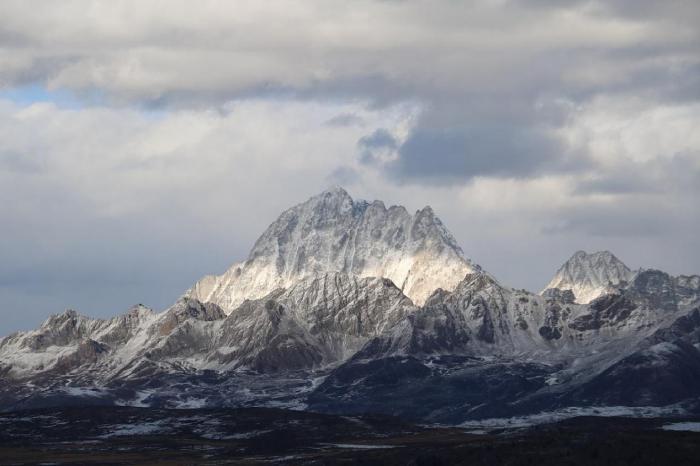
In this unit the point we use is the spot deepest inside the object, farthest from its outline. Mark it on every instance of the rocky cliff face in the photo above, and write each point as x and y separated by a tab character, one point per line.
333	233
589	276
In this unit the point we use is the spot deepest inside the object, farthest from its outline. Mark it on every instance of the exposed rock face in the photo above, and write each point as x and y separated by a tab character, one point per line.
332	233
686	328
124	327
589	276
687	289
88	352
263	335
318	321
188	308
606	311
658	290
565	296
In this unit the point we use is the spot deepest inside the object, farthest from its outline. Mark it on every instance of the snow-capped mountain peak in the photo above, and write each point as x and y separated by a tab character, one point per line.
590	275
331	232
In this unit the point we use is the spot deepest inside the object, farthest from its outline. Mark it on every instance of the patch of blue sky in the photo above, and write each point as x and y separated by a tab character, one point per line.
62	98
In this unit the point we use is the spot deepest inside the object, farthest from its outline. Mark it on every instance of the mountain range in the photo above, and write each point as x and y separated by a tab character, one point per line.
349	307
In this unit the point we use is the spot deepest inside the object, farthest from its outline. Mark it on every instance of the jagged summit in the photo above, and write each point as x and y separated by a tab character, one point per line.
331	232
589	276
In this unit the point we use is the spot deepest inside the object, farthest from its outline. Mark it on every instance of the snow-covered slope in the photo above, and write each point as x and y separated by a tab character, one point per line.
483	317
69	340
332	233
317	322
100	349
589	276
488	350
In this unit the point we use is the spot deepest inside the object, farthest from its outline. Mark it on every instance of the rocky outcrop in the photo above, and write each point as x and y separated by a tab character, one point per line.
185	309
605	311
565	296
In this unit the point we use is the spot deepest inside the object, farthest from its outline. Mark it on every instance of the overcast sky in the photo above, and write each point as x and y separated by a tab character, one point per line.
146	143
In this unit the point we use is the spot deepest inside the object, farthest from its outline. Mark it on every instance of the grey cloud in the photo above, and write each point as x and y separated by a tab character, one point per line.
19	70
345	119
459	154
344	176
609	184
679	173
642	218
16	162
379	139
415	51
684	11
370	146
658	74
656	199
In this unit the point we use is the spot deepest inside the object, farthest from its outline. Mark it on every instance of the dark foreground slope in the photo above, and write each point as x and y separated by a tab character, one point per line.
256	436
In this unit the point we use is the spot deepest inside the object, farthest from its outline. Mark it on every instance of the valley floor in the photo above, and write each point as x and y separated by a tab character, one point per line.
120	436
